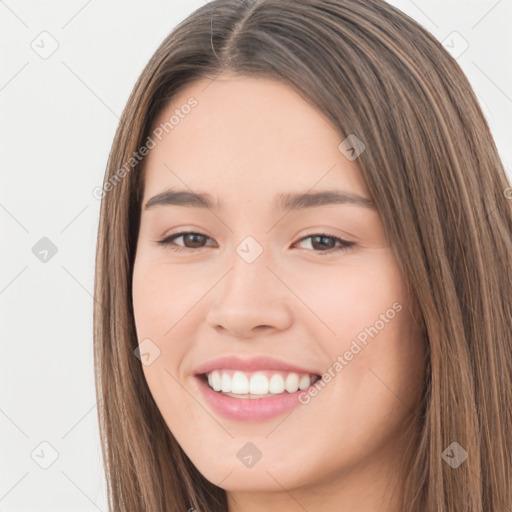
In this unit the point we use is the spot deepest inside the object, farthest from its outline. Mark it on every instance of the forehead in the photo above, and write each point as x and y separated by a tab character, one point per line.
247	136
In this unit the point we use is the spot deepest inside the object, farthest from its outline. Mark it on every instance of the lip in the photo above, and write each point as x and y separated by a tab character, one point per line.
249	409
252	364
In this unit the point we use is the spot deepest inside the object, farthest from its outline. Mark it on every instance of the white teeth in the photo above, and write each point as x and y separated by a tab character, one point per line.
304	382
215	381
226	383
292	382
258	383
276	384
239	384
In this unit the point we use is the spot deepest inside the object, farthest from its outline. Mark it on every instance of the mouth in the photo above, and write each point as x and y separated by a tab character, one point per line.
250	397
254	389
258	384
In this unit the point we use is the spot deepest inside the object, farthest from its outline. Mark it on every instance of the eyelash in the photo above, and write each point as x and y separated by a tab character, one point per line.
169	242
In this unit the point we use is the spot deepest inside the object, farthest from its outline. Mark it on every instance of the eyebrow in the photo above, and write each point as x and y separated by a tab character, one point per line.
288	201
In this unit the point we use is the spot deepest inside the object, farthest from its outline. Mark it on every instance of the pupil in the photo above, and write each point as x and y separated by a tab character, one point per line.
323	238
191	237
196	238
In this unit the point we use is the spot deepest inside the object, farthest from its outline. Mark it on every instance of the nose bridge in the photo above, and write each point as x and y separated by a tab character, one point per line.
250	295
248	280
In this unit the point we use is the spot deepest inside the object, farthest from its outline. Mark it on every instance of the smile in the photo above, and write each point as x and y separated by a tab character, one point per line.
258	384
258	406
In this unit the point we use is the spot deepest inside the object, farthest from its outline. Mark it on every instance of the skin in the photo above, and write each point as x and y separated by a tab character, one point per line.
340	452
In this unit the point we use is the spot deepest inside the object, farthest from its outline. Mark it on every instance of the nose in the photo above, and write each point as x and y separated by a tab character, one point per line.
250	300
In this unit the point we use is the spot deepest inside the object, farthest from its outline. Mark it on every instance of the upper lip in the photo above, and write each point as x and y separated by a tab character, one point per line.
251	364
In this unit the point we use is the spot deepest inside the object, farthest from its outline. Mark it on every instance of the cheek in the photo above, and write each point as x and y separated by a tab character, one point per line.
159	304
351	297
161	295
365	308
163	304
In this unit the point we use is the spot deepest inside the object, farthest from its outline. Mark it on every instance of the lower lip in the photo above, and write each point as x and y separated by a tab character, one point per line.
249	409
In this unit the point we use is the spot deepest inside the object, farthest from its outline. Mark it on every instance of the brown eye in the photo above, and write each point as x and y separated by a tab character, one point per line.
194	239
323	242
191	240
320	242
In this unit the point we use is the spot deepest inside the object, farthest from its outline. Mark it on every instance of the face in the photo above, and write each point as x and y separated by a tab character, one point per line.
313	286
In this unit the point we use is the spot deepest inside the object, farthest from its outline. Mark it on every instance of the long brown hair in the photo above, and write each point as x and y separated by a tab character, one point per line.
434	173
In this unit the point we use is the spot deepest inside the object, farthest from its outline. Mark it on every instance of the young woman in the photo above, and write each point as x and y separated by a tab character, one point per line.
303	273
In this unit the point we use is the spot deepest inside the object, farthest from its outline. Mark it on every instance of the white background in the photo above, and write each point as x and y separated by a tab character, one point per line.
57	119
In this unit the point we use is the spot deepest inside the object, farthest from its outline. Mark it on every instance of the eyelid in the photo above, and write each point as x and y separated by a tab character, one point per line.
346	244
168	241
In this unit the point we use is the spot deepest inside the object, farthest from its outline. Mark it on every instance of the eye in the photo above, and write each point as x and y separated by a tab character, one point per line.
324	241
328	242
194	238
